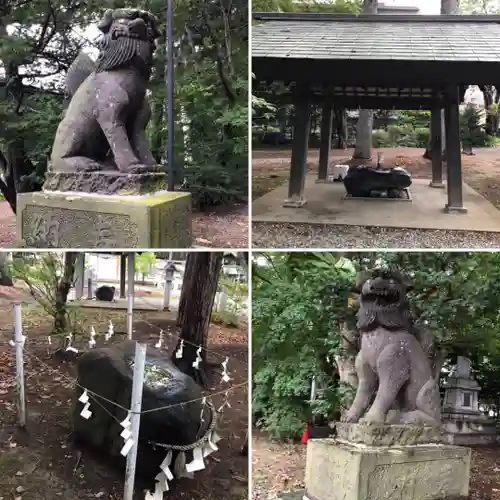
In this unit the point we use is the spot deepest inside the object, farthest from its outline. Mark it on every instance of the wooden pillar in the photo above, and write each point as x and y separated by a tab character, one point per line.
436	148
80	275
453	151
123	274
300	147
326	139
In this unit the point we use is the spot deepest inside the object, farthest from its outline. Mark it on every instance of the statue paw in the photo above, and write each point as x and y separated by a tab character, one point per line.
373	418
350	417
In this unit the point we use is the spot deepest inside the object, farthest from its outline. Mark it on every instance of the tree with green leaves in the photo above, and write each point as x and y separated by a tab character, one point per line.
144	261
49	277
471	131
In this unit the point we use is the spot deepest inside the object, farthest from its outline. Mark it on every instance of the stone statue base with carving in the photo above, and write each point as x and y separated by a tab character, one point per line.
105	182
379	462
83	220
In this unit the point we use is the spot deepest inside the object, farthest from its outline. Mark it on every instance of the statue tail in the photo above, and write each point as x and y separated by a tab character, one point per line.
79	70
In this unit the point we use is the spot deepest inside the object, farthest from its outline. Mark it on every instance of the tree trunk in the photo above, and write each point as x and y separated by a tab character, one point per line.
199	287
62	291
488	93
364	127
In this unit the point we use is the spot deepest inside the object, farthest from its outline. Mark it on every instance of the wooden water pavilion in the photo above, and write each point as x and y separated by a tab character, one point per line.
376	62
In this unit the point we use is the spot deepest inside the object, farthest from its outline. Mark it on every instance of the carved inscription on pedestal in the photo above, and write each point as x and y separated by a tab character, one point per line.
406	481
48	227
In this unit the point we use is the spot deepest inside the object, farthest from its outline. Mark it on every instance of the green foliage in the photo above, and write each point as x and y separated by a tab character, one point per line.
482	7
296	322
144	261
401	136
230	314
300	306
41	273
414	118
211	96
334	7
471	131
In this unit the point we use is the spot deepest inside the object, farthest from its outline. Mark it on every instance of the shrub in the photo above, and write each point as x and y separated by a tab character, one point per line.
471	131
396	133
421	136
296	320
381	139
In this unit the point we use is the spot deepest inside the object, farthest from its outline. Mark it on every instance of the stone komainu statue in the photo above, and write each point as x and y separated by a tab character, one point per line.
104	125
392	363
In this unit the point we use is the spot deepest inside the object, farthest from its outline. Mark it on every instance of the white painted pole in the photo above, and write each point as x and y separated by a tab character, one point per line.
130	292
135	418
168	294
20	365
166	290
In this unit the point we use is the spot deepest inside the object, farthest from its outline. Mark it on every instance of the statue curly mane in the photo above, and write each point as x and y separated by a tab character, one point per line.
128	40
383	302
123	52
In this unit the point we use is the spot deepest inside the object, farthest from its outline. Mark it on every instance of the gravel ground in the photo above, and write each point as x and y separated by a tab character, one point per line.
267	235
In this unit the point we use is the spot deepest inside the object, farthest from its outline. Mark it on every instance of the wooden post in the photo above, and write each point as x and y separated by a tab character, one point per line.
326	139
123	274
135	418
89	289
21	408
453	152
300	148
436	148
131	273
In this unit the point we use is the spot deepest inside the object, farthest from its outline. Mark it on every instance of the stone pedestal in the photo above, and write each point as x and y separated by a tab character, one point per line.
341	470
57	220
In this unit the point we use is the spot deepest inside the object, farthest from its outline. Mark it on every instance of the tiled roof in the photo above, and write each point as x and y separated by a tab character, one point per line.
407	38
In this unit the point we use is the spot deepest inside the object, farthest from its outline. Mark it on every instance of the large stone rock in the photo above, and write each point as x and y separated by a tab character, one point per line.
338	470
368	182
54	220
108	372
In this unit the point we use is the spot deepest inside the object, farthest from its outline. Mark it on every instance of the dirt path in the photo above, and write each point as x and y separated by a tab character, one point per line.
44	464
224	227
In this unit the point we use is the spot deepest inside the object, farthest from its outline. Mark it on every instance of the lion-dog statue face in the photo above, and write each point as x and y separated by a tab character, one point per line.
382	301
391	363
127	34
